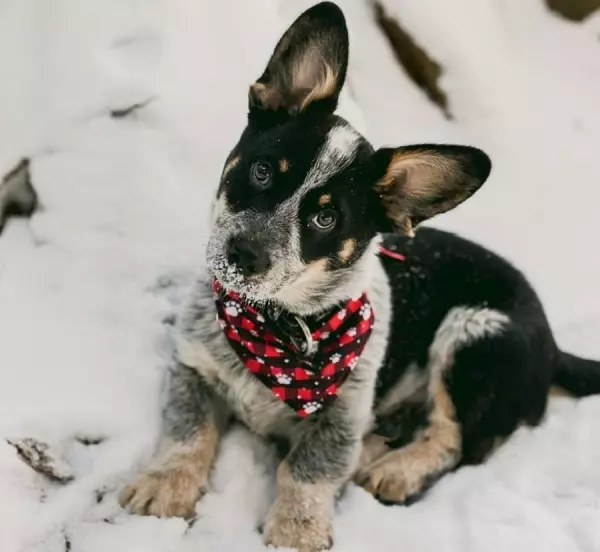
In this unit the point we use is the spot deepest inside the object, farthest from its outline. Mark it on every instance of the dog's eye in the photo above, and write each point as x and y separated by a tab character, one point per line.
323	220
261	173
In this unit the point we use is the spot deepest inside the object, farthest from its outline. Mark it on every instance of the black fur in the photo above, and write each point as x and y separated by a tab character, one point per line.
496	383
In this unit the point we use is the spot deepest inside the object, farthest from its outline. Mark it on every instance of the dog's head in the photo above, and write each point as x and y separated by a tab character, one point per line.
303	194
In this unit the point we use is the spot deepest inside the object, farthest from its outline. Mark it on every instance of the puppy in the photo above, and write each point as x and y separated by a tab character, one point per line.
325	324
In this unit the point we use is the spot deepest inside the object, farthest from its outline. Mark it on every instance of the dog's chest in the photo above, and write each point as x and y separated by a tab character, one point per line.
203	345
250	401
254	404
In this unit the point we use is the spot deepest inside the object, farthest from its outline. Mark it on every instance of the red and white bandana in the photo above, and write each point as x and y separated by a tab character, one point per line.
305	383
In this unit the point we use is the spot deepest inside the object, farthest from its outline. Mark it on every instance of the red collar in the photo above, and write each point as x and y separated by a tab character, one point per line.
307	381
391	254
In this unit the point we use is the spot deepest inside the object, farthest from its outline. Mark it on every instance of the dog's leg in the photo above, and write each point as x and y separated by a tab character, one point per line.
402	475
395	429
309	478
178	474
374	447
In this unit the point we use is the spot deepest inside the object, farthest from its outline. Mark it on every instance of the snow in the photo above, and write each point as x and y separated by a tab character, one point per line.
89	286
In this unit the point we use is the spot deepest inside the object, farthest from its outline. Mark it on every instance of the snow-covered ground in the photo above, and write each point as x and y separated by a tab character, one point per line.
89	286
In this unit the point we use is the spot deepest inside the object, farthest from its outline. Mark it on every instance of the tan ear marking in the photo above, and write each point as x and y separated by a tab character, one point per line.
408	228
268	97
284	165
230	165
258	88
324	199
406	164
323	88
347	250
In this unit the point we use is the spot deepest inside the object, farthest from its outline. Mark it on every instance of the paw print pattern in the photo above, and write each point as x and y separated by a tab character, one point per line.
307	385
312	406
232	308
284	379
365	311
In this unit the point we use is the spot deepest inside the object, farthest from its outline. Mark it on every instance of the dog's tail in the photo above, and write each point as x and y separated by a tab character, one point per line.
578	376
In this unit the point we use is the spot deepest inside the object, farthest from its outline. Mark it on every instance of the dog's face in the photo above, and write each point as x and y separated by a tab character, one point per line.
303	194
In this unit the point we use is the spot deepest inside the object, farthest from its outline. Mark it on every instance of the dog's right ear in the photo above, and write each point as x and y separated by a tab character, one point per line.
308	66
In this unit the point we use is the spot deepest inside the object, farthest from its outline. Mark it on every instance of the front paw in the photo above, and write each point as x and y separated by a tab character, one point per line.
287	529
171	492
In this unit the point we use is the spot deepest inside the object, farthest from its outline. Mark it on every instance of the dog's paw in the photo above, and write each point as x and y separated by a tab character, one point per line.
389	480
164	493
306	534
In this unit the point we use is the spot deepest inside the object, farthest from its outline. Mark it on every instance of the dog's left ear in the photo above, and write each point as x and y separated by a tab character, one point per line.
308	65
415	183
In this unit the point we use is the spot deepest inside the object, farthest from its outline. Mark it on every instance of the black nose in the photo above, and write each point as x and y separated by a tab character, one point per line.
248	256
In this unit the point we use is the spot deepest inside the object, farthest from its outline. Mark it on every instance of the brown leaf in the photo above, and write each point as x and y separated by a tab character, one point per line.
418	64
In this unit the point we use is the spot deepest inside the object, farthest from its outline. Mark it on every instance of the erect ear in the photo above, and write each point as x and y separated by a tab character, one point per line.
308	65
418	182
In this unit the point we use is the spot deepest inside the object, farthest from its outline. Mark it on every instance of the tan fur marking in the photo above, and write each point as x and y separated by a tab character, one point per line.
374	447
408	228
267	96
323	88
310	279
413	178
273	96
347	250
403	472
556	391
324	199
230	165
284	165
430	171
301	517
176	479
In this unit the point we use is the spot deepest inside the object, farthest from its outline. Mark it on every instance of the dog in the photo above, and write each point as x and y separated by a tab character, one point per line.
366	350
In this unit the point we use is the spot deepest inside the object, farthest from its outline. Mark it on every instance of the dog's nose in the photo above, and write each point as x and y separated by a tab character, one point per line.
248	256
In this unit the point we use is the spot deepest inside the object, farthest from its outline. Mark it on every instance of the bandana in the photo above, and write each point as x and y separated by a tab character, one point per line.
307	377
